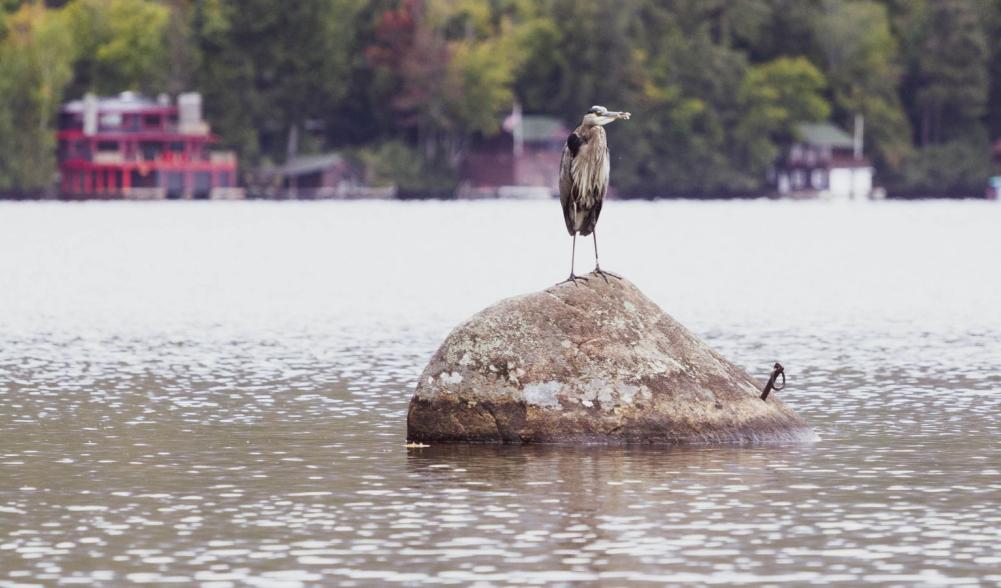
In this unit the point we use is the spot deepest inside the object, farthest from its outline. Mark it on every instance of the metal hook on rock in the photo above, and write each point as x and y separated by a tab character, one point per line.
777	371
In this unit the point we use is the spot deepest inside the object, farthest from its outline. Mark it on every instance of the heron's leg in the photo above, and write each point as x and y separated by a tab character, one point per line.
597	266
573	253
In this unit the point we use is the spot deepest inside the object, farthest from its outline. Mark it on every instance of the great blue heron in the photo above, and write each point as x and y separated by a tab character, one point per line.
584	179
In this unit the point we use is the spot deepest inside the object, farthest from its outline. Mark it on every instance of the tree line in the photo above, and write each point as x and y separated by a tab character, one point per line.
407	87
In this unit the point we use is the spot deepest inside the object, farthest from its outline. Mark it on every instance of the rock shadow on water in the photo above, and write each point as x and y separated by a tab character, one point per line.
595	362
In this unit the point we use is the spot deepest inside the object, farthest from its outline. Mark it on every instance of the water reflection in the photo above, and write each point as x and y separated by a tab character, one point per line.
269	451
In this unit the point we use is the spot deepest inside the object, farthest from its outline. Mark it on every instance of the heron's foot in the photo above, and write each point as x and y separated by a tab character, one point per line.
604	275
573	278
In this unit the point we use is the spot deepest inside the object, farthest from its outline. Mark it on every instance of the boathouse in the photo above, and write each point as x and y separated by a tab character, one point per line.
823	161
522	161
129	146
322	175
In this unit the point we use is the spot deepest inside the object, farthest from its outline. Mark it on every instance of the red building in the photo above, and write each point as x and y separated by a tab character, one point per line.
521	162
129	146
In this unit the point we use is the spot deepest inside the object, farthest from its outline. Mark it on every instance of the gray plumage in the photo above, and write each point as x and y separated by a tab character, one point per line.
584	170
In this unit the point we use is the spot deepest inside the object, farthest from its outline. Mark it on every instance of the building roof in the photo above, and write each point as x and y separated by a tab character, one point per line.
124	102
535	127
307	164
824	135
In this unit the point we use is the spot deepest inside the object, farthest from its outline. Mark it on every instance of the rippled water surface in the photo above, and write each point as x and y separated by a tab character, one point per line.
215	393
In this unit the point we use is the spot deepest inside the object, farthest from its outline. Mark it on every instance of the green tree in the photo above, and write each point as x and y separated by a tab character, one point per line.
363	116
789	30
447	68
776	96
36	54
701	124
716	86
694	83
945	88
952	72
582	55
956	168
860	57
991	13
266	73
182	53
121	45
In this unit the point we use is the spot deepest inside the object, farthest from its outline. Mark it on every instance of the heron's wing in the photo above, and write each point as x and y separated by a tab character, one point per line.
574	141
591	220
595	211
566	179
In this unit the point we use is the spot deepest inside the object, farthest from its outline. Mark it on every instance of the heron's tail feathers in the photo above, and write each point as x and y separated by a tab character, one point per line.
580	221
586	225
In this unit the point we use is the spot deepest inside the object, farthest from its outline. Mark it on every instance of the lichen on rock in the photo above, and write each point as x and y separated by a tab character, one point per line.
592	362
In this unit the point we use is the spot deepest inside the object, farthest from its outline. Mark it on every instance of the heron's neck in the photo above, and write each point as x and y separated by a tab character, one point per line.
588	132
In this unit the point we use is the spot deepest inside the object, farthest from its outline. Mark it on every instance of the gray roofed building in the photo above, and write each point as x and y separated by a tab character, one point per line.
823	161
824	135
322	175
309	164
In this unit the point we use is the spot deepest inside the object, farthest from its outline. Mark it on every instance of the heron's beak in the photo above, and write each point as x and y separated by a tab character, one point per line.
611	116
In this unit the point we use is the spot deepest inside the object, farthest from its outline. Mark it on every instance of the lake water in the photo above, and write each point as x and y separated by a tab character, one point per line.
215	394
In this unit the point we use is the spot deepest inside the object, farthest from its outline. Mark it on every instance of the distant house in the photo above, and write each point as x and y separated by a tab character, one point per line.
129	146
825	161
327	175
522	161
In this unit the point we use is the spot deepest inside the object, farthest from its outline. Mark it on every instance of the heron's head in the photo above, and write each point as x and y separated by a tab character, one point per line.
600	116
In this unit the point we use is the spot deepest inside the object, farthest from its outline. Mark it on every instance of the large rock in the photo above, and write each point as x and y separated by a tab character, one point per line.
594	362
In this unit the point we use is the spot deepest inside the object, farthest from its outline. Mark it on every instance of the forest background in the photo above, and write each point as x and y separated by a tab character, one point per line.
407	87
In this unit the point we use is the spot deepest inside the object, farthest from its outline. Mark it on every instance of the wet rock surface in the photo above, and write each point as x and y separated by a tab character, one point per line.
592	362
